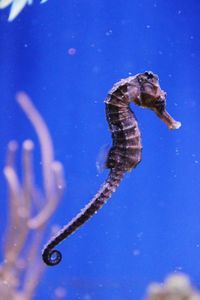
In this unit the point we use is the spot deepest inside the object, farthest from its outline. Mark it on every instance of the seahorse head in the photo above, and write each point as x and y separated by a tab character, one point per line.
153	97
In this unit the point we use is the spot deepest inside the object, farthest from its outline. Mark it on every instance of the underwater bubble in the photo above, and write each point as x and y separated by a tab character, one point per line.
109	32
87	297
136	252
177	151
60	292
71	51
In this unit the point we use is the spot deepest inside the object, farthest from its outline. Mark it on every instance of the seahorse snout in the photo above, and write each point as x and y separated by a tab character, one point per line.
168	120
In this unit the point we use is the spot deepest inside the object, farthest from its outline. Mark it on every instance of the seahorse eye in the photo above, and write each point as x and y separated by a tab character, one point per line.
149	74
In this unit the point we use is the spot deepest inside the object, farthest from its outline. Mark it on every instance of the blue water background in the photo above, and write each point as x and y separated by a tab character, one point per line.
151	225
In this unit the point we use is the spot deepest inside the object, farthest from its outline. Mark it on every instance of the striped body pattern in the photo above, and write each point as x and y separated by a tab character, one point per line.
125	153
126	149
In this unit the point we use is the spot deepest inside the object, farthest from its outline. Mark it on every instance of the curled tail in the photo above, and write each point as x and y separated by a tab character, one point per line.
52	256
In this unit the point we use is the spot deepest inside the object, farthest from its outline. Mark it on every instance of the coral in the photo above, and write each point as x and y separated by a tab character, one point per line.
29	210
16	6
175	287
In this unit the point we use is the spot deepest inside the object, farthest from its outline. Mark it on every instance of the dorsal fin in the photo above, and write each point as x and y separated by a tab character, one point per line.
102	158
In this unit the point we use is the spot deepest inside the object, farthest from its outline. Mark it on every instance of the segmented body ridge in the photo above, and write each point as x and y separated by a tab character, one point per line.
126	149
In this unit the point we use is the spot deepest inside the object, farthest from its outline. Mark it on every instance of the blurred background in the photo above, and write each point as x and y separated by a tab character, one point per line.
66	55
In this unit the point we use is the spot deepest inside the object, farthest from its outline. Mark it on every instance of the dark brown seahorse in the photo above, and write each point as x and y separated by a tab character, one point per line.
125	153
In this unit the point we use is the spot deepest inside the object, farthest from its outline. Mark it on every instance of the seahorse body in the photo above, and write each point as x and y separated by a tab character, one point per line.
126	149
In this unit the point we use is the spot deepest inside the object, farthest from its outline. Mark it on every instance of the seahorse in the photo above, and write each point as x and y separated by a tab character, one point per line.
126	151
